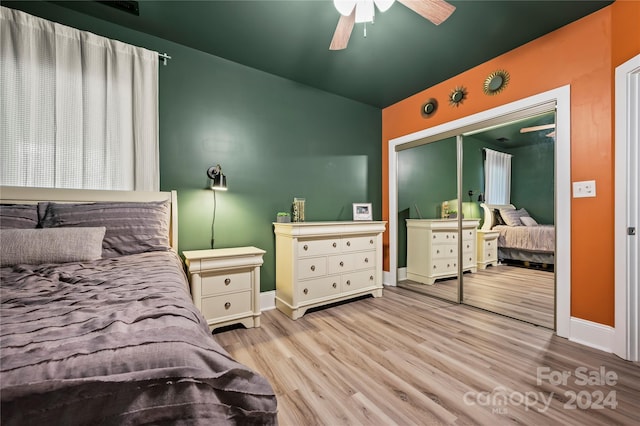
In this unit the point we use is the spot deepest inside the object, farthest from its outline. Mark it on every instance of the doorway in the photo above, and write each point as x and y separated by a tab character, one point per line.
558	100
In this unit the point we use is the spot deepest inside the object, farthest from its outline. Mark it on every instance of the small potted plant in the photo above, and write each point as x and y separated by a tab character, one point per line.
283	217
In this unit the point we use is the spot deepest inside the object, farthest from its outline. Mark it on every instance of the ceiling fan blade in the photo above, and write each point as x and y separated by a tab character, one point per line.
343	31
536	128
436	11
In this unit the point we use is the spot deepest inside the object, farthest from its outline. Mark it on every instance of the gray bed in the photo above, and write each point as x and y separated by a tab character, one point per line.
516	241
111	338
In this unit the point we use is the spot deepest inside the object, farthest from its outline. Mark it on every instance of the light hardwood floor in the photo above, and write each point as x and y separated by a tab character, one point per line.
522	293
409	359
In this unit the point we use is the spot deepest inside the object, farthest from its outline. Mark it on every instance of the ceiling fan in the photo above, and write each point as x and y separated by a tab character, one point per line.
541	127
352	11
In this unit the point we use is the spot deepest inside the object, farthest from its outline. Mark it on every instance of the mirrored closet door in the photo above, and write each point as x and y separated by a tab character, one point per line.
427	219
459	240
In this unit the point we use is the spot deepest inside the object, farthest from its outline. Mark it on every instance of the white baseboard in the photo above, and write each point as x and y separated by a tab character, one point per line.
267	300
592	334
388	278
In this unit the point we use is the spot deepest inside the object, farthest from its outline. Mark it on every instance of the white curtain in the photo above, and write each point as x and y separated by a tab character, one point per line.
497	177
77	110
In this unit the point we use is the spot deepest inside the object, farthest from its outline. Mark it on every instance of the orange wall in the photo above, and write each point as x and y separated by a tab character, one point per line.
583	54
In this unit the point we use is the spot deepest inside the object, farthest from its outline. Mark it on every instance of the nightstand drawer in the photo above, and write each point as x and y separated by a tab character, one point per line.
232	281
226	304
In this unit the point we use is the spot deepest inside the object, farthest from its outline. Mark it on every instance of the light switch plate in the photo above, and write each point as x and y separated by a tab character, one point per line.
585	188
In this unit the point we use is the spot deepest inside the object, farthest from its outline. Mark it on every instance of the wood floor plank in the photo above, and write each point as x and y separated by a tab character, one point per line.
408	359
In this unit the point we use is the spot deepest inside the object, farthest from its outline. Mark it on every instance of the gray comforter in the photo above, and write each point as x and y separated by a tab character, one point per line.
117	341
540	238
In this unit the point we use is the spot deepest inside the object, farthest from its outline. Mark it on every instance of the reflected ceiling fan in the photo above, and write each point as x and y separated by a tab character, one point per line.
352	11
541	127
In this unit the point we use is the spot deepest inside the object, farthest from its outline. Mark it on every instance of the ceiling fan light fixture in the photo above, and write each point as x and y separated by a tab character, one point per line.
364	11
345	7
384	5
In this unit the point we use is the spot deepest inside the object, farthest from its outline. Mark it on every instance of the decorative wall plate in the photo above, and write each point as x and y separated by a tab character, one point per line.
496	82
457	95
429	107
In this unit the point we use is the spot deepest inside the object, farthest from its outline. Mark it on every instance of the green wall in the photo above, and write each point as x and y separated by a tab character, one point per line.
274	138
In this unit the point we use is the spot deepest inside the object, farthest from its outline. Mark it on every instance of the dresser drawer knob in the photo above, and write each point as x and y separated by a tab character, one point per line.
313	267
370	241
335	285
335	245
438	251
305	291
305	247
341	263
468	246
348	283
348	243
434	236
450	250
489	243
370	277
227	305
227	281
447	237
366	260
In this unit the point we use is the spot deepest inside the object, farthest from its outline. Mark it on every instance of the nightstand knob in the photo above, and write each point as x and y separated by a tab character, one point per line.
366	260
450	250
438	251
227	305
489	243
313	267
348	243
370	277
370	241
305	247
335	245
305	291
348	283
336	285
227	281
468	246
341	263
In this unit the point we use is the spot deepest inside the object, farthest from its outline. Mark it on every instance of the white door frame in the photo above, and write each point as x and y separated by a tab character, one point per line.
562	98
627	138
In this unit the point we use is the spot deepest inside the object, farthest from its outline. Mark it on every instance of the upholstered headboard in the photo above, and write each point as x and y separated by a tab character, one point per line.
24	195
489	219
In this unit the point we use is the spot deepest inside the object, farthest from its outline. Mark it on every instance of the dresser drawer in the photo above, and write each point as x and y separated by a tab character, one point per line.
358	243
442	251
444	237
364	260
318	247
358	280
468	247
468	235
319	288
216	283
312	267
226	304
341	263
444	266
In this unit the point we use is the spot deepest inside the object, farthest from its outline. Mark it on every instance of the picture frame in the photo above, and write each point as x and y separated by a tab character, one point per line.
362	211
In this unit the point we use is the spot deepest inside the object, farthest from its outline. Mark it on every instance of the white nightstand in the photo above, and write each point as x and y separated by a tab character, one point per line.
487	248
225	284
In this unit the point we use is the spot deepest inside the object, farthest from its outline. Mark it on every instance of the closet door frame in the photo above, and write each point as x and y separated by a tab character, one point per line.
543	102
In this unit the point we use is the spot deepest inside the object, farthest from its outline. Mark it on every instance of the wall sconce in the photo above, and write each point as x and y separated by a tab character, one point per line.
218	179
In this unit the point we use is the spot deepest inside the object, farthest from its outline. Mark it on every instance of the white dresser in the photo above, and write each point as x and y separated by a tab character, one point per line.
432	248
225	284
324	262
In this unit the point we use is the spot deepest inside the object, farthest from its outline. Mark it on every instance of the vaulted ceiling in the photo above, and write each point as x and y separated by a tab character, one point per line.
401	54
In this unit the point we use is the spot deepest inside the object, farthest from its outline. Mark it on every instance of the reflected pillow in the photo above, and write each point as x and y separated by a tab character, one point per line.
497	218
528	221
54	245
512	217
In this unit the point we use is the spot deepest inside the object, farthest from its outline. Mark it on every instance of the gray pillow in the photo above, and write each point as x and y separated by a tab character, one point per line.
131	227
20	216
512	217
36	246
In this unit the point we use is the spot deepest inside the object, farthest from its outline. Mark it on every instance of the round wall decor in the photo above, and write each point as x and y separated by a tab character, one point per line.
496	82
429	108
457	95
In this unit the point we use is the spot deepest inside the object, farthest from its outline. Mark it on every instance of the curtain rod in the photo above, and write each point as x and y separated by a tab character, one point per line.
164	57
